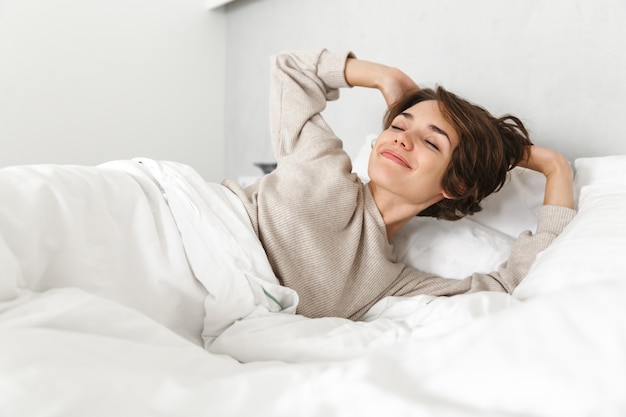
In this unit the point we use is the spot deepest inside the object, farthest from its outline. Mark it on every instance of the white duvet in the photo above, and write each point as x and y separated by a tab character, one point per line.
135	288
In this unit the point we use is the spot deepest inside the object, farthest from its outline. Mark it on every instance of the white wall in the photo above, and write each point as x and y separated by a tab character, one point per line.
559	65
84	82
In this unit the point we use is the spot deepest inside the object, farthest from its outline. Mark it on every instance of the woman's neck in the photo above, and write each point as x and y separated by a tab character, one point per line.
395	211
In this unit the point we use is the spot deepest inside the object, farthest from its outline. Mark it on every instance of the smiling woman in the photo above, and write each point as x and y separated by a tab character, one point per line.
416	140
326	233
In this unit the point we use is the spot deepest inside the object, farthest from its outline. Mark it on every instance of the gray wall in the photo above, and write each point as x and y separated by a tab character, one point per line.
84	82
559	65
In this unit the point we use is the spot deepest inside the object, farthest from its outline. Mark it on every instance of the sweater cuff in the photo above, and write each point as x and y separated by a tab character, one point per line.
553	219
331	68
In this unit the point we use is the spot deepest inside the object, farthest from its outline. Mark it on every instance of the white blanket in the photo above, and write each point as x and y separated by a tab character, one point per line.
112	276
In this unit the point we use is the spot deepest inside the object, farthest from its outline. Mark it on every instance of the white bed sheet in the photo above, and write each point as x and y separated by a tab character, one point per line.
55	362
101	314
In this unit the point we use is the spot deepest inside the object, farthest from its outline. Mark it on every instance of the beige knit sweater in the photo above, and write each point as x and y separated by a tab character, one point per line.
319	224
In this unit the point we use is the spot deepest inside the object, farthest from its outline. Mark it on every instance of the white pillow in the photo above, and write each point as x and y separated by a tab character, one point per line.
451	249
599	170
590	249
513	209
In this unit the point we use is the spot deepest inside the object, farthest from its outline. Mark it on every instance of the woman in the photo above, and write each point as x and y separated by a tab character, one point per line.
326	234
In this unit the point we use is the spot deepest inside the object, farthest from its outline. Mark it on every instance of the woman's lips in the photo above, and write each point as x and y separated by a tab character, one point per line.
395	157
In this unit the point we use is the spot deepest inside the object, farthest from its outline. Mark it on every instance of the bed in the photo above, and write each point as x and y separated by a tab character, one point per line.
136	288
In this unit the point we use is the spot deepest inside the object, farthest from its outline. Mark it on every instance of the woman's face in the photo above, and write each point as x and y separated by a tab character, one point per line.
410	158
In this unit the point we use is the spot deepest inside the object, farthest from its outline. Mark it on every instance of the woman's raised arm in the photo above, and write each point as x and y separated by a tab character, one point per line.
391	82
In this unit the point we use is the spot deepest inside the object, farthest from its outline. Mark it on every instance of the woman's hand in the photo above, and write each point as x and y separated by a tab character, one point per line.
558	172
391	82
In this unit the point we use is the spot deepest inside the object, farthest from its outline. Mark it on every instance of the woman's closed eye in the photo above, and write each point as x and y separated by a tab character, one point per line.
431	144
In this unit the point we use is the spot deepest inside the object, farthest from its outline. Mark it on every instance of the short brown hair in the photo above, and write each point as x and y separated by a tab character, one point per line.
488	148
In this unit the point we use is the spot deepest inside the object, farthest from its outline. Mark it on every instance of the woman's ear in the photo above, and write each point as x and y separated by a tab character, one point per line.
450	196
447	195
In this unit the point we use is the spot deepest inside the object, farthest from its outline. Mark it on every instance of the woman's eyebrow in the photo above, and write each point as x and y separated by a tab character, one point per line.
440	131
434	128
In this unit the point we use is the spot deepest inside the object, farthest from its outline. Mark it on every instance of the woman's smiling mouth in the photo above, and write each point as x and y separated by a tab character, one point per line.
395	157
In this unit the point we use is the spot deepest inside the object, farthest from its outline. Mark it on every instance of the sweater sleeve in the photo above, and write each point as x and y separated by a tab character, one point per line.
552	220
301	84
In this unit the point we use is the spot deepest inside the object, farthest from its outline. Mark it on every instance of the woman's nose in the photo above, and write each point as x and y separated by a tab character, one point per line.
403	141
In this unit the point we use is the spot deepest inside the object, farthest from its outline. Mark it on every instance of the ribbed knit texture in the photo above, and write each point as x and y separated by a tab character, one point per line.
319	224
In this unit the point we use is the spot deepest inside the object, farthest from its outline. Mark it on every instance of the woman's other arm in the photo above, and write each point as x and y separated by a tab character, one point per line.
558	172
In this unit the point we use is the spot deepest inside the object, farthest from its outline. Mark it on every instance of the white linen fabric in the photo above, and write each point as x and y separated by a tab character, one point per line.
106	230
110	274
592	247
222	249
